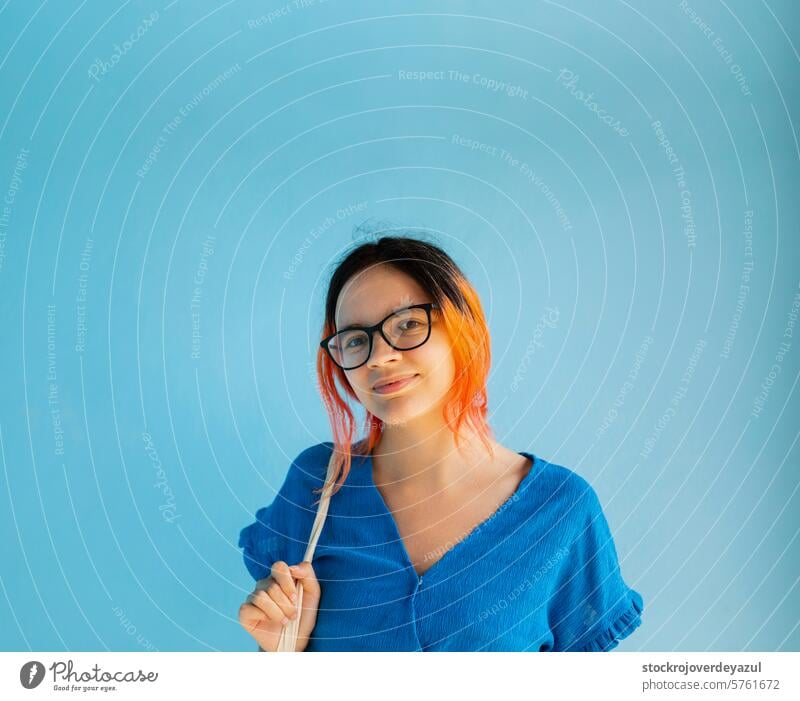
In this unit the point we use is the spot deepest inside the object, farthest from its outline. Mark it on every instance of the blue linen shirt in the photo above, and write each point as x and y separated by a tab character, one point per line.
540	574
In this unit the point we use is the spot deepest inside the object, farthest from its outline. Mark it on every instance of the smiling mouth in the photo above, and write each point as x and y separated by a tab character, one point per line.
395	386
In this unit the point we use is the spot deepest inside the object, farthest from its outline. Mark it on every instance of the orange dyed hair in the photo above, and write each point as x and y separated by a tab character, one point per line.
465	325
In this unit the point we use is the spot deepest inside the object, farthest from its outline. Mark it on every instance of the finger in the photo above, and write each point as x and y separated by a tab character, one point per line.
309	603
305	571
255	621
264	602
251	617
277	595
263	583
281	574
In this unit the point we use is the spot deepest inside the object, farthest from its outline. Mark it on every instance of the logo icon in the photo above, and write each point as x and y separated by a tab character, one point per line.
31	674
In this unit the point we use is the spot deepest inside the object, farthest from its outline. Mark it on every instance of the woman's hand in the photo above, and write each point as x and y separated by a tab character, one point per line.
274	601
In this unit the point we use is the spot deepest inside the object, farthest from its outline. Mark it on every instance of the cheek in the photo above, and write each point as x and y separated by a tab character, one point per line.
435	361
359	382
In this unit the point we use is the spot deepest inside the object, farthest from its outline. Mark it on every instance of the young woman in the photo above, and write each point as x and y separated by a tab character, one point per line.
437	538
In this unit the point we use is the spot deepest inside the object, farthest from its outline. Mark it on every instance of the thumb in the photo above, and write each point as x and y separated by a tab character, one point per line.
311	594
305	572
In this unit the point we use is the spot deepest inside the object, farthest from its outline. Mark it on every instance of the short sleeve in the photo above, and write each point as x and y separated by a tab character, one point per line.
282	529
261	543
592	609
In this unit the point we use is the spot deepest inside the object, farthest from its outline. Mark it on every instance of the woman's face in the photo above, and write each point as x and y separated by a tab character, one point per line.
368	297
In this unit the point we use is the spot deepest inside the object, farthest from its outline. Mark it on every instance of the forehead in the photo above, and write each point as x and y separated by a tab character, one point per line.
371	294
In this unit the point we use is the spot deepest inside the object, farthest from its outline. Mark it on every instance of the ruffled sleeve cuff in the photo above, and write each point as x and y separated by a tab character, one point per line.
614	629
257	546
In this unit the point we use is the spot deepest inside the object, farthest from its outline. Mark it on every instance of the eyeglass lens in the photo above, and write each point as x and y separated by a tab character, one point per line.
405	330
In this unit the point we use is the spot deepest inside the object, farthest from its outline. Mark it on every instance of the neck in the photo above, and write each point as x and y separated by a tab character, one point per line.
427	456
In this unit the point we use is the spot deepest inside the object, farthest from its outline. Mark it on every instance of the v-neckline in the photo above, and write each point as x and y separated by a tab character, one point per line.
459	544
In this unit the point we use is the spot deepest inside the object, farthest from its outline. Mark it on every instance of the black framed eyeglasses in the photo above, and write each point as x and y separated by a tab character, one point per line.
403	329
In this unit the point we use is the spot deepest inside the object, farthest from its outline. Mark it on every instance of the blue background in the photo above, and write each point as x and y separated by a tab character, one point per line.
172	207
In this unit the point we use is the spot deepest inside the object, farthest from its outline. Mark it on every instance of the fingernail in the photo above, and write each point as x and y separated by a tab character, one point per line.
293	597
285	620
293	568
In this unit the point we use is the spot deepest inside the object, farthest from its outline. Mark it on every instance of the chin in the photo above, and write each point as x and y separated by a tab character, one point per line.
402	416
393	417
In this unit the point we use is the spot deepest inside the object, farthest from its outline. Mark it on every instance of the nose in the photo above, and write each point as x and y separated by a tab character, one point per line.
381	351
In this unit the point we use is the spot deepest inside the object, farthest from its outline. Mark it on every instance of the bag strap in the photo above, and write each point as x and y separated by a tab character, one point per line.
288	639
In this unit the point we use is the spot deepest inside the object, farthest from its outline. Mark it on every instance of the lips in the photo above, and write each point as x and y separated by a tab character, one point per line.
393	384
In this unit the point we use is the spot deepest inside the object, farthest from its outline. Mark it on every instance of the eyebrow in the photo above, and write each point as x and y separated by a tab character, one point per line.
357	325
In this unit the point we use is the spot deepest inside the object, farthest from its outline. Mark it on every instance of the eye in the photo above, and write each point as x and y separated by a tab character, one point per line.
355	339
